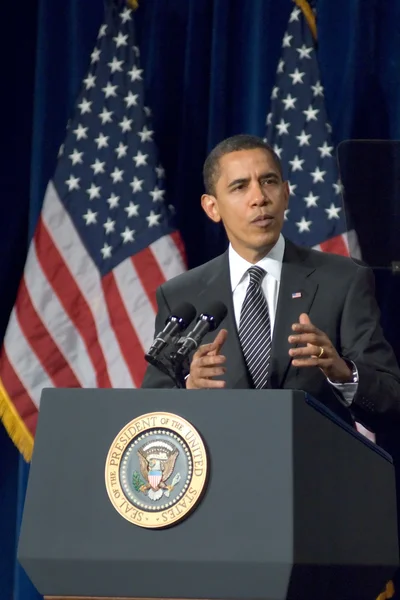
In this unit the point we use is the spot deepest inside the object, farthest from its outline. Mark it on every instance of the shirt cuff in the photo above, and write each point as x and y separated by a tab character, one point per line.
347	391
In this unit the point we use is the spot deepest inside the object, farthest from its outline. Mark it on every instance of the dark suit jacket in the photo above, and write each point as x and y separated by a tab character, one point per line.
338	295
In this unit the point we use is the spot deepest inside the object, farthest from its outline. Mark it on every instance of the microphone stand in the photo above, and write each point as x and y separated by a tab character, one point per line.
172	364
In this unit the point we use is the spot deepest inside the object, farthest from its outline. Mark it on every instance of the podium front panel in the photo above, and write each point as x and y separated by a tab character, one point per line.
287	490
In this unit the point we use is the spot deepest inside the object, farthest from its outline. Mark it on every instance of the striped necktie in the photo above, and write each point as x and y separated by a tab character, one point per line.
255	329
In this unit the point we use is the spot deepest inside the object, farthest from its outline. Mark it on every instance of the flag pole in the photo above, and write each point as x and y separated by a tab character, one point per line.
309	16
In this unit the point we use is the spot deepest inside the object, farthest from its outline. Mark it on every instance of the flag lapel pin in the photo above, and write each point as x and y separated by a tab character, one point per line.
296	295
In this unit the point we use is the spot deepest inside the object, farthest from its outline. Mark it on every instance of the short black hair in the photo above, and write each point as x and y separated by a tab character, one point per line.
233	144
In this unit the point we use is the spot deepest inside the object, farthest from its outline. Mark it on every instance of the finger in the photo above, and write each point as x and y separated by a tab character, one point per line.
304	319
208	360
203	350
310	350
316	339
208	372
214	347
309	362
218	342
209	383
193	383
304	328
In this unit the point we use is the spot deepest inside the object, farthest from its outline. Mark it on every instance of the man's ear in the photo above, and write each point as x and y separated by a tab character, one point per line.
210	207
287	192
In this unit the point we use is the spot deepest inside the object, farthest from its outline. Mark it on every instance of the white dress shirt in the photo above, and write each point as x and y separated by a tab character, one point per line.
272	264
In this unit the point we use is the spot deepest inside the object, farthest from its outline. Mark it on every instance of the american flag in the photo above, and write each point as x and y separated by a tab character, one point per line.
85	310
300	133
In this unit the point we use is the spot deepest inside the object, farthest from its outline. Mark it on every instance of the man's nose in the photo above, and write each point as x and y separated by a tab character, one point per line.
259	197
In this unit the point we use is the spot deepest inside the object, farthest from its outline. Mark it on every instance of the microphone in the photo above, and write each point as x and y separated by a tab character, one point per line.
177	322
208	320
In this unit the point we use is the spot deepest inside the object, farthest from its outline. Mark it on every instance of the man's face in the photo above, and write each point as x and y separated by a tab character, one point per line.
250	200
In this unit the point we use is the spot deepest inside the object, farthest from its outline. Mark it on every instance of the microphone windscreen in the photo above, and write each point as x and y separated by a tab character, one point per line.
185	313
217	310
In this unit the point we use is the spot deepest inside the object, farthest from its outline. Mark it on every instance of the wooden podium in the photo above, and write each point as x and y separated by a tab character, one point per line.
297	504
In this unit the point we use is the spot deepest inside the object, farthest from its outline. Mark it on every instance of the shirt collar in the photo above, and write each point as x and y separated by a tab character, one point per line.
272	263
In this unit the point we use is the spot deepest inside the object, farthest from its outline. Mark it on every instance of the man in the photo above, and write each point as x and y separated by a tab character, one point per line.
297	318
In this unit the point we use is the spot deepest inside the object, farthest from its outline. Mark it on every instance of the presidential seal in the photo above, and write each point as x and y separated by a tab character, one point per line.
156	470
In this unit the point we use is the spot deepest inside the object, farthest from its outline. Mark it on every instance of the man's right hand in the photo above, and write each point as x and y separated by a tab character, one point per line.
207	363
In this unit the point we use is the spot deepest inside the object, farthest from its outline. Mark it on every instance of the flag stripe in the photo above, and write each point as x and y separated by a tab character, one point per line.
25	362
126	335
168	253
55	319
351	240
136	302
86	282
336	245
42	343
149	273
18	394
74	304
177	239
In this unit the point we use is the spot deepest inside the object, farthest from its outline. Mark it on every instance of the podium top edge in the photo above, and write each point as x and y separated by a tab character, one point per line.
352	431
310	400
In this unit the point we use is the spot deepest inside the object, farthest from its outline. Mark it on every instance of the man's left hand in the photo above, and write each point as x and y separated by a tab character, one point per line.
317	351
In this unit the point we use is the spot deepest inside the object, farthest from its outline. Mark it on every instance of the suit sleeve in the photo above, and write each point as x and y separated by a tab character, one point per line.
363	342
153	377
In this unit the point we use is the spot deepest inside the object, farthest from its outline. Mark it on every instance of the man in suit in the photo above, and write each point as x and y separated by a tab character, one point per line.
297	318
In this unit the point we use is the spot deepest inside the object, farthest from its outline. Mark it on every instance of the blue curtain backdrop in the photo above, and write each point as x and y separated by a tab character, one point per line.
209	69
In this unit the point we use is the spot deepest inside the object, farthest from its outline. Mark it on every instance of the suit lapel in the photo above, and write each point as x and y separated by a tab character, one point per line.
296	295
217	286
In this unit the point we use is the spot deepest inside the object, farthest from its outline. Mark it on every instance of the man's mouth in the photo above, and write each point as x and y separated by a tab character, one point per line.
262	220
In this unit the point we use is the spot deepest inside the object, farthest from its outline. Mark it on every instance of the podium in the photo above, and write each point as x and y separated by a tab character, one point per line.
295	504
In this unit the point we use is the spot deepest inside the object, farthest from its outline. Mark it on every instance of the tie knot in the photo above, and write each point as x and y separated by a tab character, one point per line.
256	275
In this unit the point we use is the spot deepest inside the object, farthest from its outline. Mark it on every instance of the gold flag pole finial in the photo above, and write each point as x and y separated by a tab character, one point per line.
309	16
133	4
388	592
